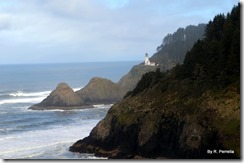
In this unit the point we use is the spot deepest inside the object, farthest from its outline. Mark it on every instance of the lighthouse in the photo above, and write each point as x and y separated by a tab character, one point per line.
147	61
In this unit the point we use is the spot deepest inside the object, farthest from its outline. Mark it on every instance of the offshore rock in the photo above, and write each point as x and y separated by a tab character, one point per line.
101	91
63	97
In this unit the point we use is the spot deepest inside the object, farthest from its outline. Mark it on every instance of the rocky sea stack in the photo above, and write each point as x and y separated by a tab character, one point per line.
97	91
63	97
101	91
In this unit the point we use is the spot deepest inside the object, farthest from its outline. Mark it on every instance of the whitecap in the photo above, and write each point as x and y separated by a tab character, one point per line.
29	94
103	106
77	89
22	100
31	143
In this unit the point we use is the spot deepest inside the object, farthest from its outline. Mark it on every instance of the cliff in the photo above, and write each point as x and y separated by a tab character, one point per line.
153	124
129	81
187	112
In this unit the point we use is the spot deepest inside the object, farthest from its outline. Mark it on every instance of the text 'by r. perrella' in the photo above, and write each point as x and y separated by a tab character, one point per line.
220	151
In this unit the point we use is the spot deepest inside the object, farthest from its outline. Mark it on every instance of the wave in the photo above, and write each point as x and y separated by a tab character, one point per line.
77	89
30	143
31	148
13	97
22	100
31	94
102	106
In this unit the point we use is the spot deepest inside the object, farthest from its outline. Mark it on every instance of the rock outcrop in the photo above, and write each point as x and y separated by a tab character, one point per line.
97	91
129	81
101	91
63	97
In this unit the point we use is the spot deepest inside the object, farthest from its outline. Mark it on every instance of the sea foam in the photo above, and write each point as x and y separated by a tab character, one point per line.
22	100
32	143
31	94
15	97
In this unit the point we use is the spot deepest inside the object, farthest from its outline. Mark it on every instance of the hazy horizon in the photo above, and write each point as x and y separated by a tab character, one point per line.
33	31
40	63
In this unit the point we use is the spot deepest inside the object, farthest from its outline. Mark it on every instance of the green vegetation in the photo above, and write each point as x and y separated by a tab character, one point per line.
183	112
168	55
212	63
207	84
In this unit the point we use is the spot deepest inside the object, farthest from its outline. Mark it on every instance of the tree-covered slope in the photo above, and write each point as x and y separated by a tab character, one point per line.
183	113
174	46
170	53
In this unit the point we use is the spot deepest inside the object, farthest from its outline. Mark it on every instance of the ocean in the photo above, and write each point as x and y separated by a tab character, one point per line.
29	134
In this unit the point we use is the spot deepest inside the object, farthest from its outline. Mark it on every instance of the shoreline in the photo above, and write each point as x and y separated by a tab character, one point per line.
60	108
54	108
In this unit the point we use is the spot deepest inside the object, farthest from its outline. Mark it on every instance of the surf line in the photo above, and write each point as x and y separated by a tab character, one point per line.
36	147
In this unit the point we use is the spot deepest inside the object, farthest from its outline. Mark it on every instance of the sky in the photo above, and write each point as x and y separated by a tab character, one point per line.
60	31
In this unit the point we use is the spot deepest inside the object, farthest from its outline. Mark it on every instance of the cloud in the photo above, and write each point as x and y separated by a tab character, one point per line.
4	22
94	30
114	4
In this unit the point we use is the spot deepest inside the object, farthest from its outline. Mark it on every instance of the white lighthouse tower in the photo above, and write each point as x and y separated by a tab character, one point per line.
147	61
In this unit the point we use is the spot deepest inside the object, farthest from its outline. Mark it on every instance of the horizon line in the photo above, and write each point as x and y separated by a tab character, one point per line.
70	62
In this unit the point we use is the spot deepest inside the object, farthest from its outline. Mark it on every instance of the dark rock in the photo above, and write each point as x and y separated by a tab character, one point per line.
129	81
63	97
156	125
97	91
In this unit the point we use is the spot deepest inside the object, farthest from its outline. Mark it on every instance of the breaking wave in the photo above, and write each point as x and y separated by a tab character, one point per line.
14	97
31	94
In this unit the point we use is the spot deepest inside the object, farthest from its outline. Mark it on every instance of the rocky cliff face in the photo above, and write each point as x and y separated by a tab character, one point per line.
156	124
101	90
129	81
63	97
